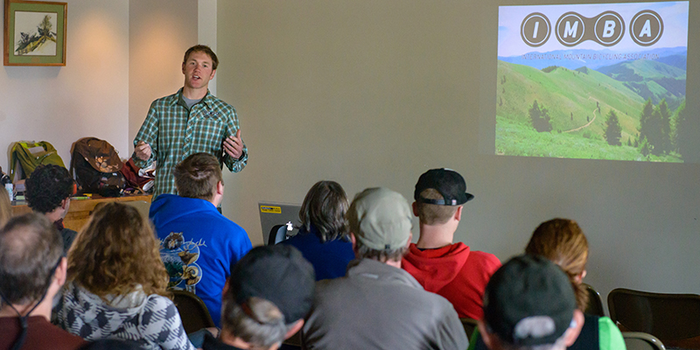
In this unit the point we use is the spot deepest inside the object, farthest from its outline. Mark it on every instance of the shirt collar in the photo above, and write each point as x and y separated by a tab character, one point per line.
179	100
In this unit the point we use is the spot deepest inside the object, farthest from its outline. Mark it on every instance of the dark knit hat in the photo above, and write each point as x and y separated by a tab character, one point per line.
278	274
529	301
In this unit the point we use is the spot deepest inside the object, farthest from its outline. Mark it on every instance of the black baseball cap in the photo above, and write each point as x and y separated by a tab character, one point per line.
529	301
448	182
278	274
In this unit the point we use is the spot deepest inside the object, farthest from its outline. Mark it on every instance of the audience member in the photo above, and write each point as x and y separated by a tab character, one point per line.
32	270
197	244
265	300
5	207
451	270
377	305
117	283
49	188
562	241
528	305
323	235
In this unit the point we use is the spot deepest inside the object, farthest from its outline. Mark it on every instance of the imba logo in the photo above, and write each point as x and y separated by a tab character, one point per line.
606	29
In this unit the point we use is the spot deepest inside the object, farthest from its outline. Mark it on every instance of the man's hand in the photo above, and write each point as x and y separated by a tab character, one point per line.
142	150
233	145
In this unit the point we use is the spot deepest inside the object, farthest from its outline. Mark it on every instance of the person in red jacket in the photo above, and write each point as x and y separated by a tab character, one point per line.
451	270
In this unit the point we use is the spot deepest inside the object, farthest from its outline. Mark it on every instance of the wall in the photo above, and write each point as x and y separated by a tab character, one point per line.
373	93
159	34
87	97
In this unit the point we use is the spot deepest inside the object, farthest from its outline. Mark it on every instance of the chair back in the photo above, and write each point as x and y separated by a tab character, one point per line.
278	233
642	341
193	312
595	303
666	316
469	325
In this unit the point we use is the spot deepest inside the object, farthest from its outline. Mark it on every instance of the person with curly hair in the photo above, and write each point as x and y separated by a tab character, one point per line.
49	188
116	285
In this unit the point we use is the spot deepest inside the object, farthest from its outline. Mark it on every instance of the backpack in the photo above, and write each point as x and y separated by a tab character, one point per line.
26	156
96	167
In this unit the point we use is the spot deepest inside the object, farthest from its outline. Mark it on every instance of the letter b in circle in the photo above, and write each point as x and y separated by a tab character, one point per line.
535	29
609	28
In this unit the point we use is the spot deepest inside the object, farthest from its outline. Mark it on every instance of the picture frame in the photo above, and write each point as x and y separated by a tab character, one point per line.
35	33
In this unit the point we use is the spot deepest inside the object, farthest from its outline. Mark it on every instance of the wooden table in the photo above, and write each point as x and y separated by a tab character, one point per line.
80	210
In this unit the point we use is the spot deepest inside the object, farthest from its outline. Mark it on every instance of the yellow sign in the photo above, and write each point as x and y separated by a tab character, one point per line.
270	209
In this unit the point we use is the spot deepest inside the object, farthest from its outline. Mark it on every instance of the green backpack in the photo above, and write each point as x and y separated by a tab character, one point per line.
29	156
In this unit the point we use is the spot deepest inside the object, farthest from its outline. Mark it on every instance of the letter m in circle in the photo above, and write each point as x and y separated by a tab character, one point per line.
570	30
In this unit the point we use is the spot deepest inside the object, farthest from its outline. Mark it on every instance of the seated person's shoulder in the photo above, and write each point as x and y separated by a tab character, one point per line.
485	260
158	302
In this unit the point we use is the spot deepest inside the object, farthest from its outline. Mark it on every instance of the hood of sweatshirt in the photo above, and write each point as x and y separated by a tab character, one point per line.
170	207
82	307
435	268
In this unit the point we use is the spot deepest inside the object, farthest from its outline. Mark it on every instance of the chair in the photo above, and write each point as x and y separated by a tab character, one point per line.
595	303
469	325
193	312
278	233
642	341
292	343
673	318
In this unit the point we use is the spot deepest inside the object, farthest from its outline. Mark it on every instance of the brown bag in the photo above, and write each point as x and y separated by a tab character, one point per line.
96	166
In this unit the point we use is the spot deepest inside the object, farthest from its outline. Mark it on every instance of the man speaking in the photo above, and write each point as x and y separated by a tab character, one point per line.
190	121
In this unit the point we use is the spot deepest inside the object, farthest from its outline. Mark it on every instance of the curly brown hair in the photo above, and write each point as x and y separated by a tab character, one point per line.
47	186
115	252
562	241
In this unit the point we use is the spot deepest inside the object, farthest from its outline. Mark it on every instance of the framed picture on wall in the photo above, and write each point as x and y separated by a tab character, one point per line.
35	33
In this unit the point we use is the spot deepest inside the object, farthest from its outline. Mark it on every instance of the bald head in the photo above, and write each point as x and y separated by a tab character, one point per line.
30	249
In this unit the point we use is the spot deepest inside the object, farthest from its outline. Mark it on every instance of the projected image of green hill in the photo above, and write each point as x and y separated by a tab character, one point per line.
577	102
650	79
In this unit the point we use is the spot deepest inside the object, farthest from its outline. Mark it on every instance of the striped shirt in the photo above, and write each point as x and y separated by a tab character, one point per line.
174	132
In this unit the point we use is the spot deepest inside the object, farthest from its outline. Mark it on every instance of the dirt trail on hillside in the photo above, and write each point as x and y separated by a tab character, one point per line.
587	124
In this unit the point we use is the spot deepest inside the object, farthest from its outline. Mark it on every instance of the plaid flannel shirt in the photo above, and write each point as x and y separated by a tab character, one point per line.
175	132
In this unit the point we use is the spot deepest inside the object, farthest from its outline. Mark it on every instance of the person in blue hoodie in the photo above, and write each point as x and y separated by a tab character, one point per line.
323	236
197	243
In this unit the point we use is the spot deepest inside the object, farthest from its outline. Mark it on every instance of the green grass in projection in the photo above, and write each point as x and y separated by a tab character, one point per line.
578	103
519	138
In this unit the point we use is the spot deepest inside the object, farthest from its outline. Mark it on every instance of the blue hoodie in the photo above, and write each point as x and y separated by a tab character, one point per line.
198	245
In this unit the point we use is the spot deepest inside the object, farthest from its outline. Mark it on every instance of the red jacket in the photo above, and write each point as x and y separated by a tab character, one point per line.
454	272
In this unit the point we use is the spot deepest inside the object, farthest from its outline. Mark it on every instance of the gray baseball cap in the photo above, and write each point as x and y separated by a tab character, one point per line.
380	219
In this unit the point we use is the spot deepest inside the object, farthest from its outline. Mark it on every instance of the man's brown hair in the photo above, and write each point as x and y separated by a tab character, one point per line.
432	214
197	176
207	50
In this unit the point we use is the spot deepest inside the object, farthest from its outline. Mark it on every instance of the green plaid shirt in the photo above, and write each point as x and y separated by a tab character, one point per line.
174	133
